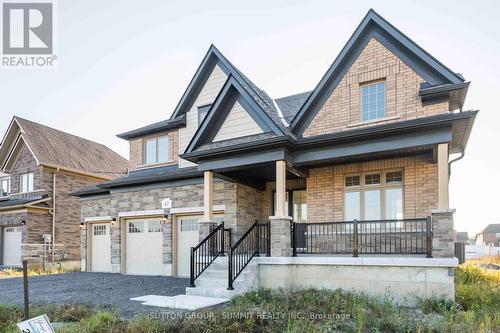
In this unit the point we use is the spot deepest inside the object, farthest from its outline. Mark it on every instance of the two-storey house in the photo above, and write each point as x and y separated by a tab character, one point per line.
358	166
41	166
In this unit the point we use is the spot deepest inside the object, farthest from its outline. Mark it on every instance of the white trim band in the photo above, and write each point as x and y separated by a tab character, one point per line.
98	218
184	210
360	261
141	213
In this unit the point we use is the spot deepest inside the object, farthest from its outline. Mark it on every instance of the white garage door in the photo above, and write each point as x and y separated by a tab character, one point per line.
144	247
12	246
187	237
101	247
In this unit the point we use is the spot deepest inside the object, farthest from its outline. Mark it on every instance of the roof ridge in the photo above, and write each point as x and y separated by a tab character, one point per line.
60	131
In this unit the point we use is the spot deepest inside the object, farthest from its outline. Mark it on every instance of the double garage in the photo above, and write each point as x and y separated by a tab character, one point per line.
149	246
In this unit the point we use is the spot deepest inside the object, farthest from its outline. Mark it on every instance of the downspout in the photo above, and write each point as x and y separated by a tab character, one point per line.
54	212
462	154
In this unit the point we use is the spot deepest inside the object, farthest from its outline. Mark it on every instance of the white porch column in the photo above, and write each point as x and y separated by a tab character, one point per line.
443	176
280	209
280	222
208	204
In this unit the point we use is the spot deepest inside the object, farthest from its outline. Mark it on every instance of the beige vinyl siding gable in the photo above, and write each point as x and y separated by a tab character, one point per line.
237	124
207	96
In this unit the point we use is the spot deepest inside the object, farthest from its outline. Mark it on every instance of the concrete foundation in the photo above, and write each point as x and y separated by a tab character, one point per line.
400	278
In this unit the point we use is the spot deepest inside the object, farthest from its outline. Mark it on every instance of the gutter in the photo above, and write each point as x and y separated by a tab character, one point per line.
462	154
54	212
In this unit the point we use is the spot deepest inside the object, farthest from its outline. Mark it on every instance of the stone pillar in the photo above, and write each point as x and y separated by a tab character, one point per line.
280	222
208	205
443	176
83	247
442	233
167	244
117	229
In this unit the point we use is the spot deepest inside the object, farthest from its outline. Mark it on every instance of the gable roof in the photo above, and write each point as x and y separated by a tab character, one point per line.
215	57
373	26
231	92
58	149
491	229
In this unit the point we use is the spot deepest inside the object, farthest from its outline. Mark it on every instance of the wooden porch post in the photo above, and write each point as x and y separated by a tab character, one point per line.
443	176
208	205
280	222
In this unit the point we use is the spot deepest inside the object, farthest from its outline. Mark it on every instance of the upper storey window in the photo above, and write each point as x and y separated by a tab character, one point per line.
4	187
156	150
202	112
373	101
26	182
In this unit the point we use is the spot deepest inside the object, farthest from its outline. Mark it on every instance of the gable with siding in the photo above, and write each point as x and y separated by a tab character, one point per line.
207	95
237	124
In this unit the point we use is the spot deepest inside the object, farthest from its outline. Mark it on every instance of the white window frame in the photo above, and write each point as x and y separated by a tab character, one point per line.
30	187
2	181
156	161
364	86
382	187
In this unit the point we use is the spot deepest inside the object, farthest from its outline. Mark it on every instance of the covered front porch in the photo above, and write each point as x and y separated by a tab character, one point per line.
389	205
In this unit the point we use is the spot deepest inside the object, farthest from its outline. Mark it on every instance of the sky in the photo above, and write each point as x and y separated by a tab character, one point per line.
125	64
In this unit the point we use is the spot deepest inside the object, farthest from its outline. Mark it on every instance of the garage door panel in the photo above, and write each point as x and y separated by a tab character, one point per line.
101	247
144	247
12	238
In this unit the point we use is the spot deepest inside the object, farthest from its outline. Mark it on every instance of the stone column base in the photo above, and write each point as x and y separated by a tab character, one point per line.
442	233
204	228
281	245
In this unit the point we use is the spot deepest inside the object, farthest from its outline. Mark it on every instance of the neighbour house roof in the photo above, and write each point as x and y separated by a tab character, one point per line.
462	236
9	203
491	229
57	149
290	105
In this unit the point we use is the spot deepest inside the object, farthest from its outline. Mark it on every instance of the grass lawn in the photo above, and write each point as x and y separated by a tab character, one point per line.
477	310
17	272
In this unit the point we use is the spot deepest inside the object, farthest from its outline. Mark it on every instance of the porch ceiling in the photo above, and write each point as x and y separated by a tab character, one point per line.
255	175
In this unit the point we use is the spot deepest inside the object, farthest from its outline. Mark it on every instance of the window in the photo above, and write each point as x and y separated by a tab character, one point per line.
156	150
135	227
154	226
100	230
189	225
296	204
373	101
4	187
26	182
202	112
374	196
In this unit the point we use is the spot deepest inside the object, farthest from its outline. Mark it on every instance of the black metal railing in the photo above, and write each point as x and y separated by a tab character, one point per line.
226	241
408	236
203	254
254	241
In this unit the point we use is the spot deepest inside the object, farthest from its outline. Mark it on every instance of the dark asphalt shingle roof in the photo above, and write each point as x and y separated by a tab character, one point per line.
154	128
290	105
492	229
56	148
21	201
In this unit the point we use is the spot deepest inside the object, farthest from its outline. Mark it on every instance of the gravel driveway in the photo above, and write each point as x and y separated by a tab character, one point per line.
102	290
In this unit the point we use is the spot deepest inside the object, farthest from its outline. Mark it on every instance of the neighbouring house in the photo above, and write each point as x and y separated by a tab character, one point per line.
41	166
344	186
489	236
462	236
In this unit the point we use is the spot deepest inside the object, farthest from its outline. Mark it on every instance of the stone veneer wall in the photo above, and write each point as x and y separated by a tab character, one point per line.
225	193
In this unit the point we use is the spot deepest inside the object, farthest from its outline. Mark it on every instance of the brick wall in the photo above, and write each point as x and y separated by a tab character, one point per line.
325	186
341	111
25	163
267	195
136	146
